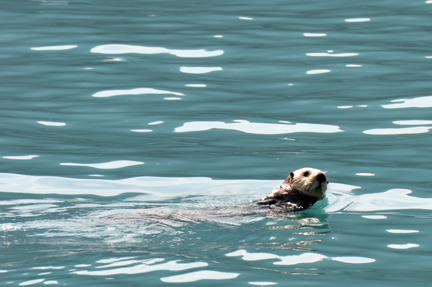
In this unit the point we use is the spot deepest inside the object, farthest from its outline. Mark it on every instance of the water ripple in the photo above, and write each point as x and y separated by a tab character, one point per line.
199	70
258	128
308	257
158	187
403	246
314	34
354	259
199	275
142	131
144	268
357	20
375	217
155	123
196	85
365	174
138	91
54	48
331	55
106	165
31	282
51	124
128	49
412	122
252	256
21	157
420	102
402	231
393	199
398	131
318	71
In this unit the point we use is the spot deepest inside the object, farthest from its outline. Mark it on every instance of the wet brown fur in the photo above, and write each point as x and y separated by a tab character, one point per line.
301	189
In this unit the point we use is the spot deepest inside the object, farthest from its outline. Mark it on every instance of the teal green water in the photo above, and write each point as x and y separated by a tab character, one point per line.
112	107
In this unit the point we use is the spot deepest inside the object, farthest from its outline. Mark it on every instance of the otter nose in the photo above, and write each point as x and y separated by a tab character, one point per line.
321	178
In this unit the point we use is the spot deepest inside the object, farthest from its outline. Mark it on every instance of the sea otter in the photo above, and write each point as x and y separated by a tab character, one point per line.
301	189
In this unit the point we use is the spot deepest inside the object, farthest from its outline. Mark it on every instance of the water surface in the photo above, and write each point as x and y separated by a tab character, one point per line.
112	108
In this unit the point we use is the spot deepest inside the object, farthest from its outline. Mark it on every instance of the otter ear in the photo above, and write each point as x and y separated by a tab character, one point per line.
290	178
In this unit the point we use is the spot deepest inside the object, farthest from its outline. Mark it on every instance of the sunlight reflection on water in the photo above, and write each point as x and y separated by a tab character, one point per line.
126	49
138	91
420	102
258	128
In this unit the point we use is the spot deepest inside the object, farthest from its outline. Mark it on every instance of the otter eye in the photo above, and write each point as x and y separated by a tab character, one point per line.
306	174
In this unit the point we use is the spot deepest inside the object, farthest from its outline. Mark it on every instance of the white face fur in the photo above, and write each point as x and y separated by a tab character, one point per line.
309	181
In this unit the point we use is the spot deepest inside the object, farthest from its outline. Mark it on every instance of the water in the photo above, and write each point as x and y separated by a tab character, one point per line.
109	108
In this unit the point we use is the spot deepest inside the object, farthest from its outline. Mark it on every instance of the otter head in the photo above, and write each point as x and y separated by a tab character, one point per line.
308	181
